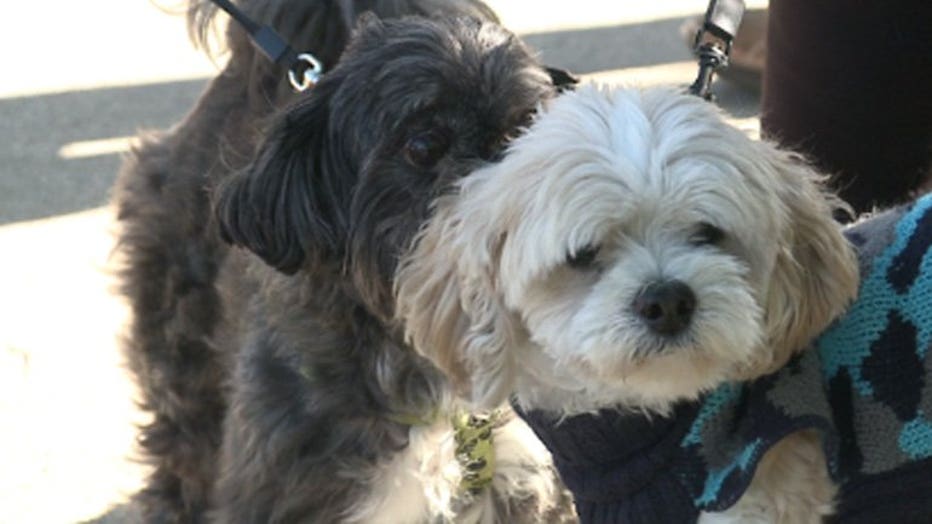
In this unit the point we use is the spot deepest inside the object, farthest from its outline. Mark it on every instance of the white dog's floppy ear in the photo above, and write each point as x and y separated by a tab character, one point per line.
816	273
446	298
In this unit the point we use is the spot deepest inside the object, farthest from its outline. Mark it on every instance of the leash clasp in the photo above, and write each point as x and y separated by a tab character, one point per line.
304	70
713	42
313	68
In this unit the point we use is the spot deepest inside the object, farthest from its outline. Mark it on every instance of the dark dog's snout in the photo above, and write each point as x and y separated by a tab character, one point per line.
666	307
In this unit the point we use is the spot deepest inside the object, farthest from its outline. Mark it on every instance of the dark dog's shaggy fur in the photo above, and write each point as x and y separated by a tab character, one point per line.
279	390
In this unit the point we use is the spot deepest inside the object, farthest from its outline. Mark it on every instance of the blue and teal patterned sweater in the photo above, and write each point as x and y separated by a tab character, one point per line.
866	386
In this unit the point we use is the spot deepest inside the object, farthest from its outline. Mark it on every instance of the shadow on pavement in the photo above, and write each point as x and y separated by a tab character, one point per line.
655	43
37	182
590	50
127	513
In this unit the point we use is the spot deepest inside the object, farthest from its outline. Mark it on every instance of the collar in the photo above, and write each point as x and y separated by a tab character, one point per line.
473	436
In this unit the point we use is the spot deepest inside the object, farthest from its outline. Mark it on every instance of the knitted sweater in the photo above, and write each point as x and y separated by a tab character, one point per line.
866	386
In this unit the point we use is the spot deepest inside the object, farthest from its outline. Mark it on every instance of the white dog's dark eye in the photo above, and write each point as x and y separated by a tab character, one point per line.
707	234
427	148
583	258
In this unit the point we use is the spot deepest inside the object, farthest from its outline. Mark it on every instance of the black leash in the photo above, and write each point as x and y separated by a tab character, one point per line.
304	69
712	44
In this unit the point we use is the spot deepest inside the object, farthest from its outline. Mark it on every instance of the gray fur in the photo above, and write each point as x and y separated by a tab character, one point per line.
274	392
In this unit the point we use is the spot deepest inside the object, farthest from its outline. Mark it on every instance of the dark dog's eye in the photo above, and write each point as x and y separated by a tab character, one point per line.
427	148
583	258
707	234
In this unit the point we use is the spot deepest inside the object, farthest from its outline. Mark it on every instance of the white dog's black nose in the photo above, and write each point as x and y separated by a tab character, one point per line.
666	307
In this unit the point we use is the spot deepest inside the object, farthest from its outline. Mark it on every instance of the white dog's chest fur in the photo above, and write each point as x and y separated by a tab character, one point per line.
418	482
422	482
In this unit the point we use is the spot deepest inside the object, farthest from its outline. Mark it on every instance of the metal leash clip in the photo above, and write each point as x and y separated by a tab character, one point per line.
712	44
313	68
304	70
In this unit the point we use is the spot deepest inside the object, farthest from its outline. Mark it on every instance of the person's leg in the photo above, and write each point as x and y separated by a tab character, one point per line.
849	83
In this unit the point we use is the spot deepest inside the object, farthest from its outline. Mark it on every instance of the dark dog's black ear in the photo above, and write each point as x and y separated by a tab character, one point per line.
562	79
281	206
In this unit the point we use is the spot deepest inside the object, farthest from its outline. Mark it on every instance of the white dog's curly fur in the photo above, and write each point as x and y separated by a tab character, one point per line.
539	278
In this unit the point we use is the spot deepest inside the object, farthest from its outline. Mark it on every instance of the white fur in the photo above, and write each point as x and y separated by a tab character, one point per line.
488	295
418	482
422	482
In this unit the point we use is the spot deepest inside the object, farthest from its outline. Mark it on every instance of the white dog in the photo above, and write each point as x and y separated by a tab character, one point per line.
634	250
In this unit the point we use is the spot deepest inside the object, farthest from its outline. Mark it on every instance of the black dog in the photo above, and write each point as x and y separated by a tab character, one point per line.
279	388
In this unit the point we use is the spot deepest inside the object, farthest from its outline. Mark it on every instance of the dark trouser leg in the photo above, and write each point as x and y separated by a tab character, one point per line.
849	83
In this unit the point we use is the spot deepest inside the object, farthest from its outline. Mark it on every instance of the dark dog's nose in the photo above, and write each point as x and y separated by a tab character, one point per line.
666	307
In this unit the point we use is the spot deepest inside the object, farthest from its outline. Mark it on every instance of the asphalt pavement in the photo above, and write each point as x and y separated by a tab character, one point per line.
79	80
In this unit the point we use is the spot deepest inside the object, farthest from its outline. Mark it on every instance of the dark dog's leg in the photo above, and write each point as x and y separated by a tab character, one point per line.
299	446
168	279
